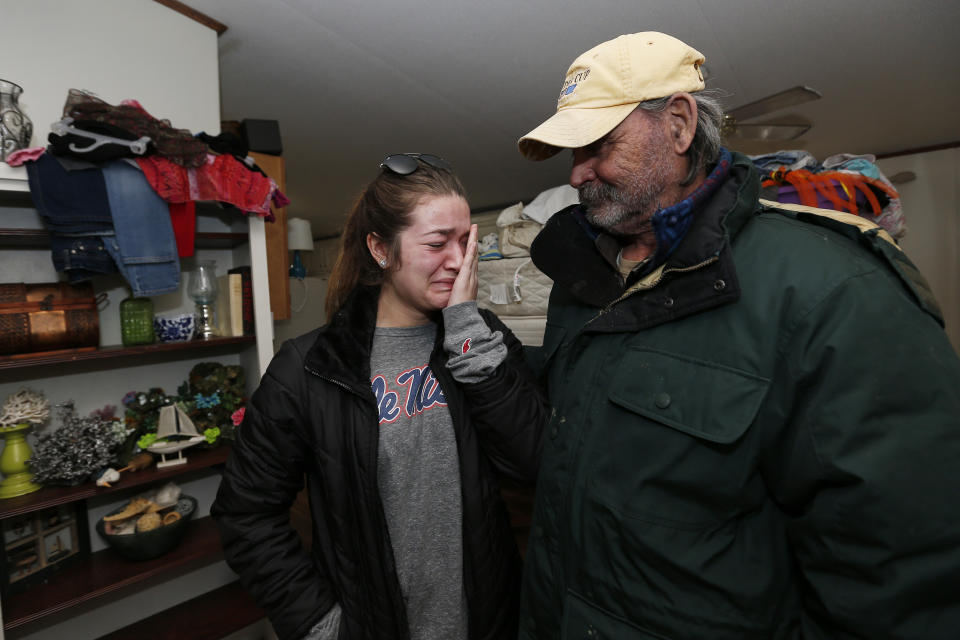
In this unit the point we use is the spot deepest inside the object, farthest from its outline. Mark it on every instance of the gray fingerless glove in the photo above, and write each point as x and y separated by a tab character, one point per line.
475	351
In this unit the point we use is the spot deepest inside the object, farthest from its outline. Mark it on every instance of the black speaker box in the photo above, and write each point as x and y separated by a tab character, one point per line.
262	136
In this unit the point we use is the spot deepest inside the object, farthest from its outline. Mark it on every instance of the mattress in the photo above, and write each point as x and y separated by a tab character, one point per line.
513	287
528	329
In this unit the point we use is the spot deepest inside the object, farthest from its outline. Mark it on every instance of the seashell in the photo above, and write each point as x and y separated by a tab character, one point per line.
167	495
149	522
137	505
124	528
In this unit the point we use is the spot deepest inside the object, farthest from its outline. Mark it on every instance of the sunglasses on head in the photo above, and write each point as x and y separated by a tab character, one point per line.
403	164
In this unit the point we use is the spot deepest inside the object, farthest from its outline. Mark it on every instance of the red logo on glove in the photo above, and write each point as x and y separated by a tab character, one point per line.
466	346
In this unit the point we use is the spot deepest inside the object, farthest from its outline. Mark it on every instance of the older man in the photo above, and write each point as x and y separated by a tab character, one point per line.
756	415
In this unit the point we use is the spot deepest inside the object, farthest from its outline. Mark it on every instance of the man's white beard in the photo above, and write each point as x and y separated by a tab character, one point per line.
627	210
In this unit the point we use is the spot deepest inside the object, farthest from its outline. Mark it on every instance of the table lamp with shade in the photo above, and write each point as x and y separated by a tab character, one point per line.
299	238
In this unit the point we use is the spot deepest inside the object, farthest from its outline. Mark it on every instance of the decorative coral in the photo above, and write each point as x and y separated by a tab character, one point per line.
76	451
24	406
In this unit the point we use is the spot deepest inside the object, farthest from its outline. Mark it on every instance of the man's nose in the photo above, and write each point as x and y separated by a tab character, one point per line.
582	170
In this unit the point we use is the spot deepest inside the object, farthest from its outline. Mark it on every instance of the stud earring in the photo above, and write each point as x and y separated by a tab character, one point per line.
383	262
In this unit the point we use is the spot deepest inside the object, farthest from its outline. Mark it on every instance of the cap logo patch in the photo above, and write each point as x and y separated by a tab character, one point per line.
571	83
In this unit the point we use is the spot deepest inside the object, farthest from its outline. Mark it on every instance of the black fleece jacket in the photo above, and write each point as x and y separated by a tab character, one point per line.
314	417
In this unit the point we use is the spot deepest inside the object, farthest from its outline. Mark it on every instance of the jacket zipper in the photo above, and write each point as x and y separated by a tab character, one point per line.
644	286
342	385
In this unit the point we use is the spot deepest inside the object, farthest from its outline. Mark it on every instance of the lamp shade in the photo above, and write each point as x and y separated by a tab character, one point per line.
299	235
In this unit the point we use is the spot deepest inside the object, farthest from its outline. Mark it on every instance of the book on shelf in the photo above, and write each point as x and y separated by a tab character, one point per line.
247	306
229	305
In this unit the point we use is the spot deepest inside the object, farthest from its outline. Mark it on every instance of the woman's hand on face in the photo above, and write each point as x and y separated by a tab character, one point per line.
465	286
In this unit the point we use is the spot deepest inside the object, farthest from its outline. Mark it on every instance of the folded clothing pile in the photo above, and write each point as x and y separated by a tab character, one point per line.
117	187
843	182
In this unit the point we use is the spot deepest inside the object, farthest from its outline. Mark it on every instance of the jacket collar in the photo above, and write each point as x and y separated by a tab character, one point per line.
342	348
566	248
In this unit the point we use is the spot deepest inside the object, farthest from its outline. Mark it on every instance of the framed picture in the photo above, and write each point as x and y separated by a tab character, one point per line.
37	544
18	528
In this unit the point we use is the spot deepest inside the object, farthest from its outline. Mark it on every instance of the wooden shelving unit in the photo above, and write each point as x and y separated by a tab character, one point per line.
106	572
103	578
93	579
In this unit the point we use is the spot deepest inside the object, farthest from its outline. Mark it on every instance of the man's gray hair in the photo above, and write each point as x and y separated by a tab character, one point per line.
705	148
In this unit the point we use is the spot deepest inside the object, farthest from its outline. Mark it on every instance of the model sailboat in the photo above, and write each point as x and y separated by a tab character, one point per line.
180	432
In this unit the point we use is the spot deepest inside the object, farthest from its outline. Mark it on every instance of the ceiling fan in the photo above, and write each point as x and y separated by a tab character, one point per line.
734	127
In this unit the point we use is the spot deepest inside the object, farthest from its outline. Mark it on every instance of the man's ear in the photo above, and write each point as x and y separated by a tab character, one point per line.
681	115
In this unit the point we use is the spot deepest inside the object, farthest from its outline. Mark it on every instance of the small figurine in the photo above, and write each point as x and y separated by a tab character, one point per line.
109	475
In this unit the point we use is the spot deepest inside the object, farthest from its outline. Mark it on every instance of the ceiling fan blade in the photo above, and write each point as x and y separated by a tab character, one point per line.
902	177
775	102
741	131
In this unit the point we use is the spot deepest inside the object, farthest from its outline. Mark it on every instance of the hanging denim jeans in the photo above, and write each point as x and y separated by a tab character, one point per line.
74	209
81	257
143	245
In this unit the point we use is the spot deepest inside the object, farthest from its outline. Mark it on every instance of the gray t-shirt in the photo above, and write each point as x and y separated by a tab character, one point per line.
418	472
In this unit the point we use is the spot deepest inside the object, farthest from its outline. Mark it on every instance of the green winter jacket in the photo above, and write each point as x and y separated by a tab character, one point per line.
760	440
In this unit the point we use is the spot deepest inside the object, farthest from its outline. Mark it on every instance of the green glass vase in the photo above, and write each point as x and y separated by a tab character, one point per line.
136	321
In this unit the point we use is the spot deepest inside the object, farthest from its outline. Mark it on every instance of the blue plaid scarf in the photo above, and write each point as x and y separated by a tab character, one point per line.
670	225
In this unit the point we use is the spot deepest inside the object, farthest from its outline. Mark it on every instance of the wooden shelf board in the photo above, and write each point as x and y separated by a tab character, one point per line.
210	616
15	192
106	572
197	459
40	239
91	353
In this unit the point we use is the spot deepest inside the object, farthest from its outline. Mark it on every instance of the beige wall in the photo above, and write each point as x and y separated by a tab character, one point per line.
931	208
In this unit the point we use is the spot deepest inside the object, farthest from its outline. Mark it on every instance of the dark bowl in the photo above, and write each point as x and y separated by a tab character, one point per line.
147	545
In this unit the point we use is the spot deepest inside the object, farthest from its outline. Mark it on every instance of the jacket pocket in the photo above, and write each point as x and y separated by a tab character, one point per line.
672	448
702	399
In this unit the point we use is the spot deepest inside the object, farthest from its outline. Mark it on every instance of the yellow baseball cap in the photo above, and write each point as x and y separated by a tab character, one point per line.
607	82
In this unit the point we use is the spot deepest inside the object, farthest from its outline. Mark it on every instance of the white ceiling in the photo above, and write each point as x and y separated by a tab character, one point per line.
350	82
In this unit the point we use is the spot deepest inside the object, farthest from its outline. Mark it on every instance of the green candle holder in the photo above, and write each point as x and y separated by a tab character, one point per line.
17	478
